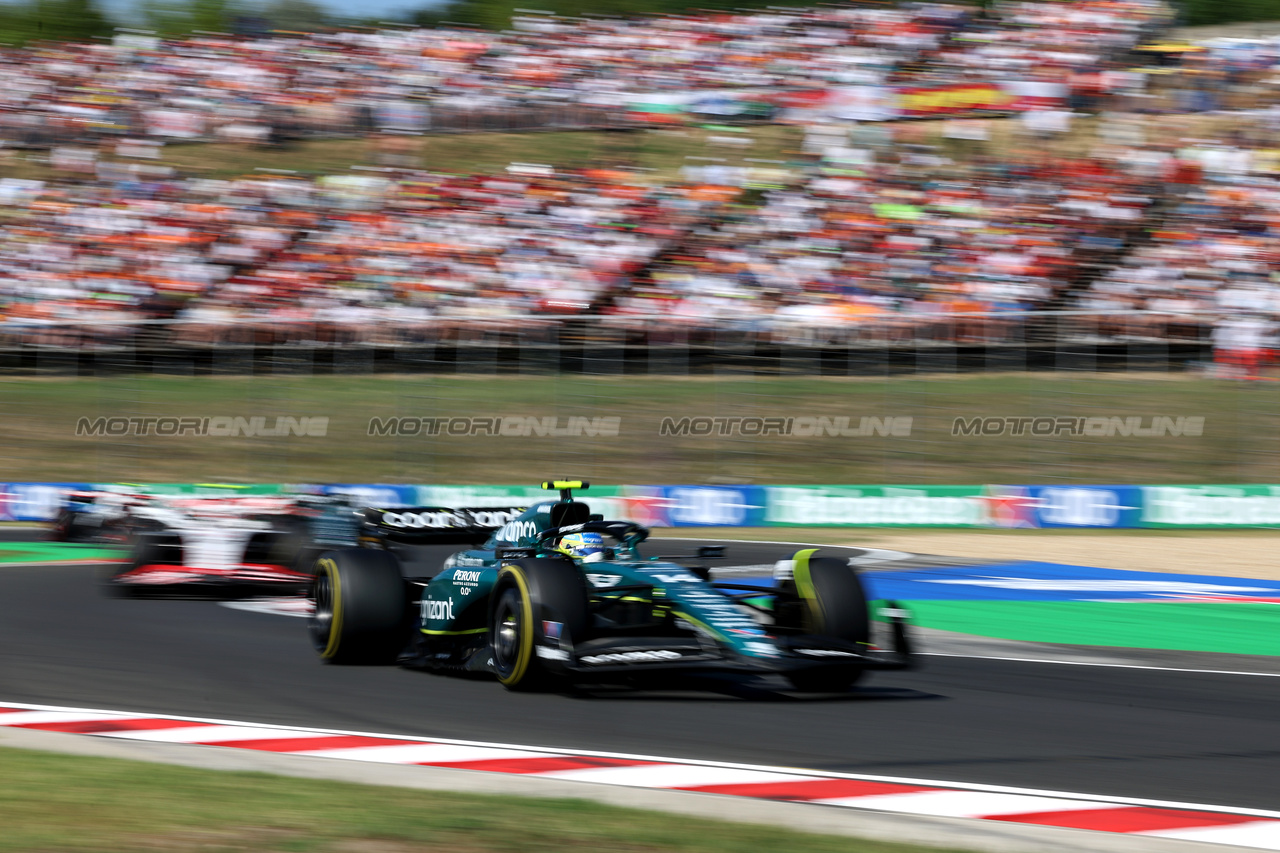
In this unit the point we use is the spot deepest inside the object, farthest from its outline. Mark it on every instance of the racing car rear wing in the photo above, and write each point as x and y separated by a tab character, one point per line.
437	525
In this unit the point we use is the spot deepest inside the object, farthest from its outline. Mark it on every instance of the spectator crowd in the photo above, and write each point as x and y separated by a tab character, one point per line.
912	233
890	240
257	89
296	260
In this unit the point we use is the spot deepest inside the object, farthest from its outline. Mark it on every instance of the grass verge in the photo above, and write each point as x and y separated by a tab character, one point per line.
68	803
1240	440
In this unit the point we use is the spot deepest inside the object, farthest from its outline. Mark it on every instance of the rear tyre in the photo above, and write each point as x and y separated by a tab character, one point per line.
360	614
534	597
832	603
283	546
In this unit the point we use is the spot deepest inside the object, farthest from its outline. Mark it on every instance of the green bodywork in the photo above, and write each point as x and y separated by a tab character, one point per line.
626	591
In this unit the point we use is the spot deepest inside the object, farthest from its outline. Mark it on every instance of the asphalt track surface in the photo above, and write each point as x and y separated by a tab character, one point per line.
1196	737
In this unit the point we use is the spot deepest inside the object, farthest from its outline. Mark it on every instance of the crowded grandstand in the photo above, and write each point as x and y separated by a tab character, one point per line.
1096	202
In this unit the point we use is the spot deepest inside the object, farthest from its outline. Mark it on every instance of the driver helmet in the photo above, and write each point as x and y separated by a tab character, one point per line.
588	547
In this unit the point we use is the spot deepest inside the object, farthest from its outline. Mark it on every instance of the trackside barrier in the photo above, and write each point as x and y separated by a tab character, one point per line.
1030	506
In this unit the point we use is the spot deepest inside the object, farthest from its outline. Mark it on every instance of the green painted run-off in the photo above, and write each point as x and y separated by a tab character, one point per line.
54	552
1231	627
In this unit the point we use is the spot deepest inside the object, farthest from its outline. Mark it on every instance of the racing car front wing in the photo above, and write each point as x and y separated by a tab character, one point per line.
779	655
248	574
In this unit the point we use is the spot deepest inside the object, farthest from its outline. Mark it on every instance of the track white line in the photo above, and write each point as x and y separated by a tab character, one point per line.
1102	664
421	753
1264	834
975	804
672	775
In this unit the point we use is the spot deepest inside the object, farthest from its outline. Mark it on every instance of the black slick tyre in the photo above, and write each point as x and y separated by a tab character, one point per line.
63	529
281	546
531	596
360	614
832	604
159	548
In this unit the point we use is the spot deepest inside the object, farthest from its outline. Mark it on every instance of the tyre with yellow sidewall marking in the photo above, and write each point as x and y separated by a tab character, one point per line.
832	603
531	595
360	607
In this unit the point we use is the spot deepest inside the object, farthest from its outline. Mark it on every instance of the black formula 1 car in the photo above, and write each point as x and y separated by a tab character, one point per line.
518	606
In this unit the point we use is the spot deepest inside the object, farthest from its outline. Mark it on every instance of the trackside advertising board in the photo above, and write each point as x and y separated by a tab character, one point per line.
1063	506
1010	506
41	501
874	506
1210	506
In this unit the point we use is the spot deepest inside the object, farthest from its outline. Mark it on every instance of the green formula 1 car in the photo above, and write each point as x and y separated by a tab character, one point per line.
551	594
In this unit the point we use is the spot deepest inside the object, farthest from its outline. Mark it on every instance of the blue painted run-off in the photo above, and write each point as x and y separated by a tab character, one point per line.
1057	582
1032	581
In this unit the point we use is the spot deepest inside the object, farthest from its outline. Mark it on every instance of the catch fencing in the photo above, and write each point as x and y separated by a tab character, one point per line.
808	343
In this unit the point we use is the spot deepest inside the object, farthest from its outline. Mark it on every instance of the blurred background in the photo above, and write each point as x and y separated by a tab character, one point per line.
642	211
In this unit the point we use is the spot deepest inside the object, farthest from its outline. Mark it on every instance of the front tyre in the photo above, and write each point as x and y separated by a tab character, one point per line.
63	529
530	598
360	607
832	603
